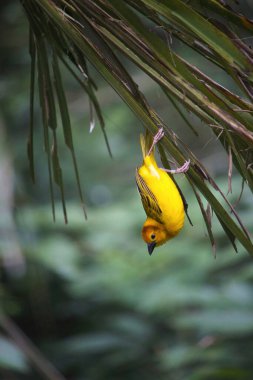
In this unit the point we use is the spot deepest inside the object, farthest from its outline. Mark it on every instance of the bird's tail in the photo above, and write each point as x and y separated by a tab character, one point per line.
146	142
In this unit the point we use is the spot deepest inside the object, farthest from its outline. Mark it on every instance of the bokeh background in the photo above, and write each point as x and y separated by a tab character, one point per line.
87	294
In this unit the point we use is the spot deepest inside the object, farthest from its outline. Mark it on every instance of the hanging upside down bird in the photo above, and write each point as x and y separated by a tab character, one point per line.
162	200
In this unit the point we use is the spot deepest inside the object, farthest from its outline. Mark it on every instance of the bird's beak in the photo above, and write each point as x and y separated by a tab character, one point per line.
151	247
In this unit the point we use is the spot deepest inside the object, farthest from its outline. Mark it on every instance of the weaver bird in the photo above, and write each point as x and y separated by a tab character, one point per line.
162	200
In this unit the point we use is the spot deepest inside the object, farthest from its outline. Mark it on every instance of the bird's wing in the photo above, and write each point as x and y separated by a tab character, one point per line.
148	199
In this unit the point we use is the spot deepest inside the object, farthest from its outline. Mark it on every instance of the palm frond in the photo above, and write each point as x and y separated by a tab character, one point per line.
75	31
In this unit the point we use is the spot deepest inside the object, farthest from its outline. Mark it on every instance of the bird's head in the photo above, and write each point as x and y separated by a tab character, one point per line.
154	234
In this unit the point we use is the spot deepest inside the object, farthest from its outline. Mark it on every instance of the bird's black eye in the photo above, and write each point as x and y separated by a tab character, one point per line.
153	236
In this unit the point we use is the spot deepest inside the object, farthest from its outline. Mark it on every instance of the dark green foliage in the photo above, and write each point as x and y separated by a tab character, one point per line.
99	307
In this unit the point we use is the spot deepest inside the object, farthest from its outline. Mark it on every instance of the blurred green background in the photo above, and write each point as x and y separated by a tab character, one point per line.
87	293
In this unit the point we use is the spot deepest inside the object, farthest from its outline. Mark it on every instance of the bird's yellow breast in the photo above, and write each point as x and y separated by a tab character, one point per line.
166	193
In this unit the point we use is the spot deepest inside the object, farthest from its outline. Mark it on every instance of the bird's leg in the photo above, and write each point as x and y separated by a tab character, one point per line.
158	136
182	169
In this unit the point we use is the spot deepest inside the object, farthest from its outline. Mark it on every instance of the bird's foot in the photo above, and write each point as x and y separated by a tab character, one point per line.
158	136
182	169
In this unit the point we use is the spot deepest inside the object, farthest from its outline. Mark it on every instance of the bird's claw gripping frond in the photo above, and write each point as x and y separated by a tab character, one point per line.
158	136
183	169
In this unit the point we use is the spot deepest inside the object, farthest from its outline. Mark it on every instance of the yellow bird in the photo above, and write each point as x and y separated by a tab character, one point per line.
162	200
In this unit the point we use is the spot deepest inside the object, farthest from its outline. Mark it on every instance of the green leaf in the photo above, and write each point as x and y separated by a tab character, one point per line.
58	176
43	81
226	13
183	14
67	131
31	121
207	221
